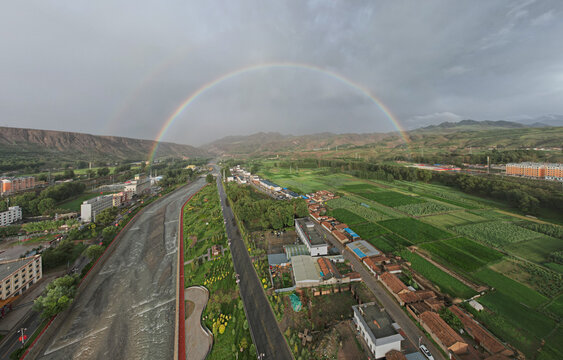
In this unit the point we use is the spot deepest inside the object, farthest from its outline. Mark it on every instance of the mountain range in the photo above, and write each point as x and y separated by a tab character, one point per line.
32	142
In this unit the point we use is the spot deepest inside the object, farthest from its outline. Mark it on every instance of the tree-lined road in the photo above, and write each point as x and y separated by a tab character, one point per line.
266	334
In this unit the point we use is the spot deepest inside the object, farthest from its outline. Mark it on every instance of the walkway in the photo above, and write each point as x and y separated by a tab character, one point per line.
199	339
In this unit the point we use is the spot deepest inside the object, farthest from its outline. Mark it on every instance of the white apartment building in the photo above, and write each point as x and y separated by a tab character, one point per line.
139	186
90	208
18	275
377	328
310	237
13	214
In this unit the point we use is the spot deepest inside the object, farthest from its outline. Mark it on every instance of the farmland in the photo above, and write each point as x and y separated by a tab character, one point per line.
496	233
346	216
523	292
442	280
368	213
391	198
369	231
414	230
453	219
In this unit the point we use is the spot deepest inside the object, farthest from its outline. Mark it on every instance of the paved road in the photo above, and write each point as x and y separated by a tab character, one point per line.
266	334
11	343
128	310
393	308
198	339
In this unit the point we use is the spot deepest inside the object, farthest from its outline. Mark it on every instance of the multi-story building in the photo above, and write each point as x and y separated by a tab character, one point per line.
536	170
13	214
139	186
310	237
90	208
377	328
18	275
121	198
14	185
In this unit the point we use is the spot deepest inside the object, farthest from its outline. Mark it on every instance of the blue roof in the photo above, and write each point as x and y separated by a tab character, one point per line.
351	232
304	197
360	253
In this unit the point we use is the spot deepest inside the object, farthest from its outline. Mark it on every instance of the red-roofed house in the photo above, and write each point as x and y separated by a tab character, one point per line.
372	266
340	237
341	226
327	225
481	336
395	286
442	333
392	268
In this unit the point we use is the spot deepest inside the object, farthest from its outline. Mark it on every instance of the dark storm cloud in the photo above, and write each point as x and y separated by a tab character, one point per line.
122	68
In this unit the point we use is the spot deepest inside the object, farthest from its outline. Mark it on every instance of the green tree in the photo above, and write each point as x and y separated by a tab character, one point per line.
209	178
46	205
103	171
69	174
106	217
60	293
93	252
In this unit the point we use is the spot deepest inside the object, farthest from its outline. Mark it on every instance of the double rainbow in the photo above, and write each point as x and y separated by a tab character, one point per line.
274	65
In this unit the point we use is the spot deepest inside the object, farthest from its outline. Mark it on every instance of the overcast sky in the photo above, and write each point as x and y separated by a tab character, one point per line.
123	67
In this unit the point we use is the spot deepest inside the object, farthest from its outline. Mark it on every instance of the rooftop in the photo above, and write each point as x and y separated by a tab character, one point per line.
393	282
440	328
377	320
304	268
7	267
277	259
309	229
294	250
363	249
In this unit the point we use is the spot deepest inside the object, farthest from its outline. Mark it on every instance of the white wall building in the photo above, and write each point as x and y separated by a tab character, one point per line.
139	186
377	328
18	275
90	208
13	214
310	237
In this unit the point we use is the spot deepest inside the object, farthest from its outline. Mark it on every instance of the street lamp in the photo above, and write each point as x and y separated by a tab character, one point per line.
23	336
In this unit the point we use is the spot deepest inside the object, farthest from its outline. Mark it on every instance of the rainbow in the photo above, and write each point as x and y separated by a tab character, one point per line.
274	65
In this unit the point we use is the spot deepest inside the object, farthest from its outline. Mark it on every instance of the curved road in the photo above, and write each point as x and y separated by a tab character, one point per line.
128	310
198	340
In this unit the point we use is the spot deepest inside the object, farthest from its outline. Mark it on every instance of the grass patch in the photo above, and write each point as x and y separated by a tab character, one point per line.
496	233
74	205
452	258
415	231
536	250
425	208
481	252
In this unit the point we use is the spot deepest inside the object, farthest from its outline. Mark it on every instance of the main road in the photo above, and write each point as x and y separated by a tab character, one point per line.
264	329
128	308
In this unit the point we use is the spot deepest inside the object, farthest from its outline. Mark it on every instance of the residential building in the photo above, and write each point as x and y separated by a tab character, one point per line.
305	271
90	208
362	249
18	275
377	328
311	237
537	170
10	216
446	337
395	286
351	234
340	236
14	185
372	266
139	186
481	336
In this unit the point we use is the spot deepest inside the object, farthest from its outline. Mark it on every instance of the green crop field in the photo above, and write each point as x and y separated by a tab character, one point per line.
496	233
360	188
442	280
414	230
453	219
443	193
387	211
346	216
380	242
425	208
501	283
556	306
368	213
481	252
536	250
369	231
391	198
452	258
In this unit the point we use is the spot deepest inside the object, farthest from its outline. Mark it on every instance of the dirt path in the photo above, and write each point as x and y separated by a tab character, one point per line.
521	217
199	339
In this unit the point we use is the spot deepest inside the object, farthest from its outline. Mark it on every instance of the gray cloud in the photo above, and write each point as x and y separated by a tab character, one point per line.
122	68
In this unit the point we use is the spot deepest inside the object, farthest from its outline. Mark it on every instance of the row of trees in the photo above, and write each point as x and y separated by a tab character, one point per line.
265	213
33	203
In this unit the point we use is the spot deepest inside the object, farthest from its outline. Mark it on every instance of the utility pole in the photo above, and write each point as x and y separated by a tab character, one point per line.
23	336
